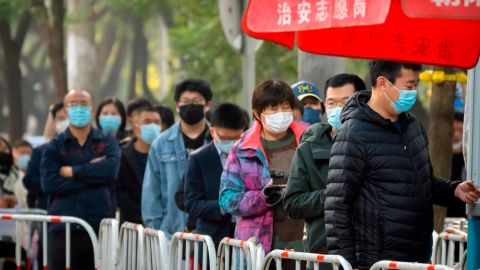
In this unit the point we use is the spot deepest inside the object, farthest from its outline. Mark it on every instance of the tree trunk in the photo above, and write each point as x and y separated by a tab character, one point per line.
104	52
12	48
164	57
81	46
440	135
54	34
110	88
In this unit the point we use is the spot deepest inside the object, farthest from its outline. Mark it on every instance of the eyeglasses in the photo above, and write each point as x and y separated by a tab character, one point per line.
196	101
76	104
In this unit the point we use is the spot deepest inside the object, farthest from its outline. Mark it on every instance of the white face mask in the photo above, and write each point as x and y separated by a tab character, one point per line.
61	126
278	122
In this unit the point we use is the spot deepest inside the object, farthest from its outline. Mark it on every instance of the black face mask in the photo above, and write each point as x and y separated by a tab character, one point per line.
192	113
6	162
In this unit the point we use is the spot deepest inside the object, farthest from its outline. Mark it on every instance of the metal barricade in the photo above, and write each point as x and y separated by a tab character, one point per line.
156	250
108	241
407	266
451	248
130	252
299	257
28	229
44	219
239	254
182	244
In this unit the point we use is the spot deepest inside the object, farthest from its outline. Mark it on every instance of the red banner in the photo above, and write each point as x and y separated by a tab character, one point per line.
297	15
451	9
435	41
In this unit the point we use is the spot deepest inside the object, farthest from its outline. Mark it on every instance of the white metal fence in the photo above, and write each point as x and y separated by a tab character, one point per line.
108	242
407	266
181	247
451	248
44	219
130	250
156	250
316	259
238	254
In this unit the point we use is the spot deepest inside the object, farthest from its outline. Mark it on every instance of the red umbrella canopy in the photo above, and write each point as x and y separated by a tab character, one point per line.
374	29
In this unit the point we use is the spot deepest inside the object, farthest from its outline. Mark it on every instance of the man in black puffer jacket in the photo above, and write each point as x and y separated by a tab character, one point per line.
381	185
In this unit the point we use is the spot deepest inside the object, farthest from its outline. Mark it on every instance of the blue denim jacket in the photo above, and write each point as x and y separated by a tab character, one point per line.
166	165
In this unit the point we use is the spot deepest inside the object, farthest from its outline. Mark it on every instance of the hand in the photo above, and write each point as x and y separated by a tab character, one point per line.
98	159
66	171
270	182
467	192
9	202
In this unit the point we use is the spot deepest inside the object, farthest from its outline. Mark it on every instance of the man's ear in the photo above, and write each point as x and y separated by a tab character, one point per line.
208	106
382	83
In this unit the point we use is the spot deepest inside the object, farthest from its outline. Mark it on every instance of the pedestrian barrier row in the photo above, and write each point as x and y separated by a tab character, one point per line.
407	266
108	241
250	257
178	252
277	256
450	248
136	247
44	219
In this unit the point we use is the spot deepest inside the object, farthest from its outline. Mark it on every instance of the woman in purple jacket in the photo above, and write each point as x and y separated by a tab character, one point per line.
257	168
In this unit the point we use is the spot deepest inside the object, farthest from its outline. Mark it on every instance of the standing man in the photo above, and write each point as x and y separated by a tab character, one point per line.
133	163
204	169
309	95
381	186
306	184
167	158
78	170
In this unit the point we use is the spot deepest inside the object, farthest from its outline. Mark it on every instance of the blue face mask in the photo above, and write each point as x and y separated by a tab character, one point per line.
148	133
225	145
79	116
333	116
311	115
405	100
110	123
22	161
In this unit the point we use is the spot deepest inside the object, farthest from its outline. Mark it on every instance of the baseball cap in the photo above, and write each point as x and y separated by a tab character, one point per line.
303	89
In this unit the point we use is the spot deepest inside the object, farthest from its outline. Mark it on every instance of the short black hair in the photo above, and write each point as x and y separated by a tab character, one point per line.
166	114
458	116
120	108
22	143
271	93
390	70
228	115
342	79
298	105
137	103
194	85
55	108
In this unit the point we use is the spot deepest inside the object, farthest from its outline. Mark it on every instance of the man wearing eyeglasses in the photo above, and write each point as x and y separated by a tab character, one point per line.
78	170
167	158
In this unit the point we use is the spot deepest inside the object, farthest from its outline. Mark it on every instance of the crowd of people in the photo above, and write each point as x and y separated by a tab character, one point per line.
360	182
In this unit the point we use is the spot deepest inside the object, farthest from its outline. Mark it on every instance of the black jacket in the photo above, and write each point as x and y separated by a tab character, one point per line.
202	184
90	193
32	180
381	188
129	186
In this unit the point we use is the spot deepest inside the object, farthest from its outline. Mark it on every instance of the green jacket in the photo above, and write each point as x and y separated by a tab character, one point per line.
304	196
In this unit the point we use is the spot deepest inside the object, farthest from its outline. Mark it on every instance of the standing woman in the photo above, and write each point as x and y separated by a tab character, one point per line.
111	118
257	169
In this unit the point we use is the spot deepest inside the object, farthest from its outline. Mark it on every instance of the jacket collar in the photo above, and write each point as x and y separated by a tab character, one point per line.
94	134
